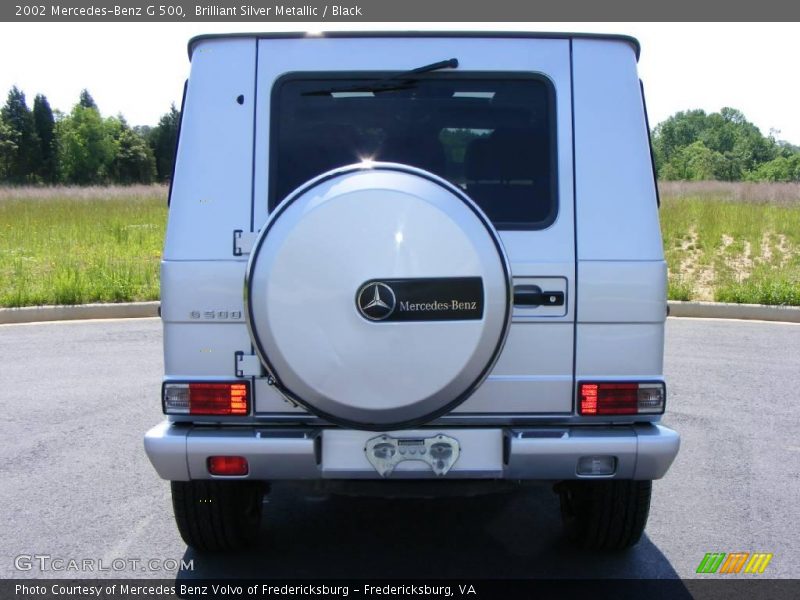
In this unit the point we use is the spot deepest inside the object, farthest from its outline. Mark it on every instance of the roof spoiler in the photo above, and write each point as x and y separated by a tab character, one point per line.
634	43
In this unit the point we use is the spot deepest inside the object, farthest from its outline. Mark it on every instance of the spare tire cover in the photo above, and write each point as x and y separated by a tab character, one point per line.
378	297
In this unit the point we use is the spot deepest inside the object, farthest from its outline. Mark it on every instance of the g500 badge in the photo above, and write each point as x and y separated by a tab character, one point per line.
432	299
216	315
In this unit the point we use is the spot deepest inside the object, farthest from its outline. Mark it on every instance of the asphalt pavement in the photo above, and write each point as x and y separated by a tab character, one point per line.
76	398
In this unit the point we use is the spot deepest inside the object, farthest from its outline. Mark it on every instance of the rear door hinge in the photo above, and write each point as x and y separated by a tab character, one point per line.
243	241
248	365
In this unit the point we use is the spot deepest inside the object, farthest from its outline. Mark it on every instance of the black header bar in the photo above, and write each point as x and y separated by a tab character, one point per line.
265	12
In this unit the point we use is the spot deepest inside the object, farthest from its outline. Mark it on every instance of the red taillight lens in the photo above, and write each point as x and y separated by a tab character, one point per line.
606	398
218	399
228	465
207	398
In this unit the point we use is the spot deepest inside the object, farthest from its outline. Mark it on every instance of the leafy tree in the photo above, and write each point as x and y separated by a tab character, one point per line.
694	162
86	146
133	160
86	100
723	145
456	140
18	118
45	124
677	132
781	168
701	162
163	139
9	143
786	149
730	133
143	130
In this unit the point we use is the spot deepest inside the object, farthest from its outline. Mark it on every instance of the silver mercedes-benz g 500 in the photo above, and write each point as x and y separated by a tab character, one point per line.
413	257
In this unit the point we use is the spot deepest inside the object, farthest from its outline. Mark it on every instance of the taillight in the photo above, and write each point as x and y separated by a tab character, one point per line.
628	398
227	465
207	398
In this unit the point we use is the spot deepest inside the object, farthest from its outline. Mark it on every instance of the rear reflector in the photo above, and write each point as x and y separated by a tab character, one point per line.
207	398
228	465
629	398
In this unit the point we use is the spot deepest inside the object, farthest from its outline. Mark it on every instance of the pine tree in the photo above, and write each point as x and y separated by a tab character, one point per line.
86	100
18	120
44	125
163	139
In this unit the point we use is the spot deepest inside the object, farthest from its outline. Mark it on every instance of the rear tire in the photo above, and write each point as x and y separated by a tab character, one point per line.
217	516
605	515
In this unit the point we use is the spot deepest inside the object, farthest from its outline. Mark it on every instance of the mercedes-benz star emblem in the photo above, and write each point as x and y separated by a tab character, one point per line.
376	301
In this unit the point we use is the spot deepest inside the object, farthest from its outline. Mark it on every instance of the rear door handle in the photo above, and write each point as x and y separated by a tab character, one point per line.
532	296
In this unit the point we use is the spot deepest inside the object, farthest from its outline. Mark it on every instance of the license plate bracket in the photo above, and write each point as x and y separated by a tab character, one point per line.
440	452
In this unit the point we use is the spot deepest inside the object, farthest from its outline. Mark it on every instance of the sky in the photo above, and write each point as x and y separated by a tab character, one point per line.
138	69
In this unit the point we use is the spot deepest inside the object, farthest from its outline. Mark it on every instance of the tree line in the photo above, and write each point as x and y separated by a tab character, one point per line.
693	145
41	146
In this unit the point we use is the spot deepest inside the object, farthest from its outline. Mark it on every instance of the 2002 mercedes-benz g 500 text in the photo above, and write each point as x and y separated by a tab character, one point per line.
417	260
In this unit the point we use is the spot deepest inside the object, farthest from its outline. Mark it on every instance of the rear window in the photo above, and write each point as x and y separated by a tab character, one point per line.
491	136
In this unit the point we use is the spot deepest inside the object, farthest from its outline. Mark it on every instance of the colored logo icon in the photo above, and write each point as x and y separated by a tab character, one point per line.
735	562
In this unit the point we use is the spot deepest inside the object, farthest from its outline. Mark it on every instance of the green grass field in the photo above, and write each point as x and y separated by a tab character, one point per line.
73	246
734	242
723	242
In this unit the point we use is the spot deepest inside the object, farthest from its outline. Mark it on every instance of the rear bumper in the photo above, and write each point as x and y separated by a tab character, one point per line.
640	451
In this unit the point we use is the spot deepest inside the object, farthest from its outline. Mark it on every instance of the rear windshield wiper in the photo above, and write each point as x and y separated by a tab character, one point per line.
400	81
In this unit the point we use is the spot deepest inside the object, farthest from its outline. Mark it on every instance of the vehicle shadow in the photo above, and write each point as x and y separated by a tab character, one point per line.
508	535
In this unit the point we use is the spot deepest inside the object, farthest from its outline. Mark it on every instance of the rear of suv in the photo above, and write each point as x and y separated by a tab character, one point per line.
413	257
